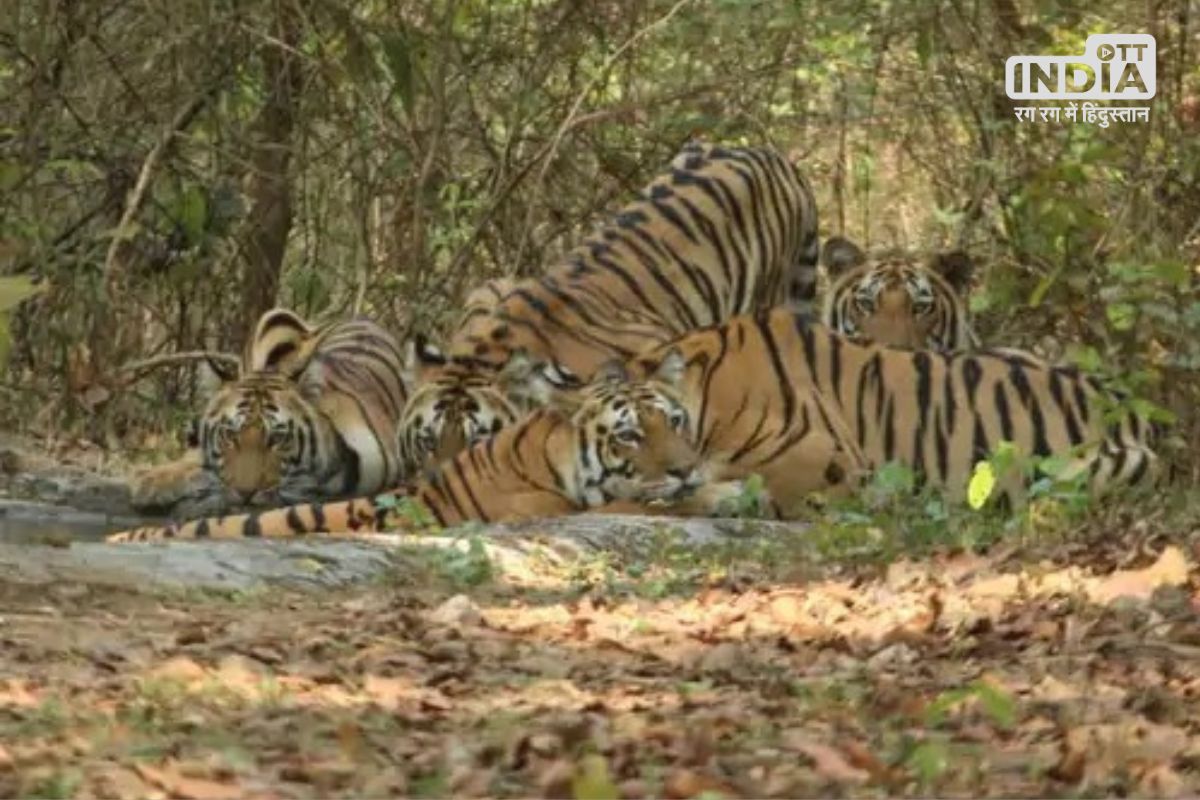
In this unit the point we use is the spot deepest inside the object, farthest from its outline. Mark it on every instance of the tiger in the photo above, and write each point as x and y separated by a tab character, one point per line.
722	231
309	412
894	299
605	446
483	299
812	412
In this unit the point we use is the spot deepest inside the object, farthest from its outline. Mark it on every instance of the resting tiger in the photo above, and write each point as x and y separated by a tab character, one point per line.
896	300
722	231
601	444
809	410
311	413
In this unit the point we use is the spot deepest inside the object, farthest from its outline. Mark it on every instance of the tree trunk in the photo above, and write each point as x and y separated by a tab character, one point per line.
270	216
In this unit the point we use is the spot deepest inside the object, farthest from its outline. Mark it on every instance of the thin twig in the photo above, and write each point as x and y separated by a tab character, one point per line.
569	120
170	359
181	121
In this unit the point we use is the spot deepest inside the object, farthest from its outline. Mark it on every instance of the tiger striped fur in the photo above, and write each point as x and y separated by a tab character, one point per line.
723	231
897	300
605	443
311	413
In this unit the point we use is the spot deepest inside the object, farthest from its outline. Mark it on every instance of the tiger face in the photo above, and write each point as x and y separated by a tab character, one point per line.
267	442
635	437
897	301
458	402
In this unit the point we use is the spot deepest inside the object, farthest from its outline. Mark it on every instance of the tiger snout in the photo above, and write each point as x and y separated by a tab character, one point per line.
251	468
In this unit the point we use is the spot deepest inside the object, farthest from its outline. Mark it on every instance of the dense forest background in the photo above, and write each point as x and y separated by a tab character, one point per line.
168	170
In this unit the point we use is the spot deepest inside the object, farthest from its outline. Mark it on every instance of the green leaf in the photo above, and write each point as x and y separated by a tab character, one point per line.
1174	272
193	213
1044	286
10	173
996	704
929	760
1121	316
398	54
924	45
14	289
983	481
592	782
895	478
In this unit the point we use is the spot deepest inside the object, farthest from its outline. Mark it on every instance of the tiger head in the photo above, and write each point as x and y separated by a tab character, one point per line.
266	440
896	300
634	437
458	401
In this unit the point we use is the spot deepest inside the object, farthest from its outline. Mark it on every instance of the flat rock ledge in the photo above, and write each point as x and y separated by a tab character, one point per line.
518	553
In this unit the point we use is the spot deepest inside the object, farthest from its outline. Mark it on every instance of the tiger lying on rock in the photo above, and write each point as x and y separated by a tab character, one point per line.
311	413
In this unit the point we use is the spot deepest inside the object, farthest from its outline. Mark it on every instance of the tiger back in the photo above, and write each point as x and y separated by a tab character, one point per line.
777	395
896	299
722	231
313	412
578	453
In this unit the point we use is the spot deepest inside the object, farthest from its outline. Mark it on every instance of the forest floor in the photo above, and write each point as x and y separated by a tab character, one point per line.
1053	668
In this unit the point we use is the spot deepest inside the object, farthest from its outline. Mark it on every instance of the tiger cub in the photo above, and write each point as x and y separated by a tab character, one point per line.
898	300
312	412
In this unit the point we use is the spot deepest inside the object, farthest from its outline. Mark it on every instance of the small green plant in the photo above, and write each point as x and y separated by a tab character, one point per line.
751	503
997	705
61	783
472	567
404	513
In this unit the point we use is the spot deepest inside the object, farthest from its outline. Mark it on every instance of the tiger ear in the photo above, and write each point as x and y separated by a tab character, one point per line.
226	369
957	268
840	254
278	343
422	356
525	381
670	370
611	372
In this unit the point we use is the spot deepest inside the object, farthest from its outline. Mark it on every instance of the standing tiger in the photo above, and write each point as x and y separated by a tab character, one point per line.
311	413
605	443
723	231
896	300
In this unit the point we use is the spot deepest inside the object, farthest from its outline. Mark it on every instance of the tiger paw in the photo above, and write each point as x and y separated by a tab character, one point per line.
160	489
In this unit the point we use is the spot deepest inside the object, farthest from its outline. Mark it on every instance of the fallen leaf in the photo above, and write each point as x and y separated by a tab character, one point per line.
182	669
388	692
828	762
1161	781
685	783
1095	751
169	779
457	611
1171	569
723	658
